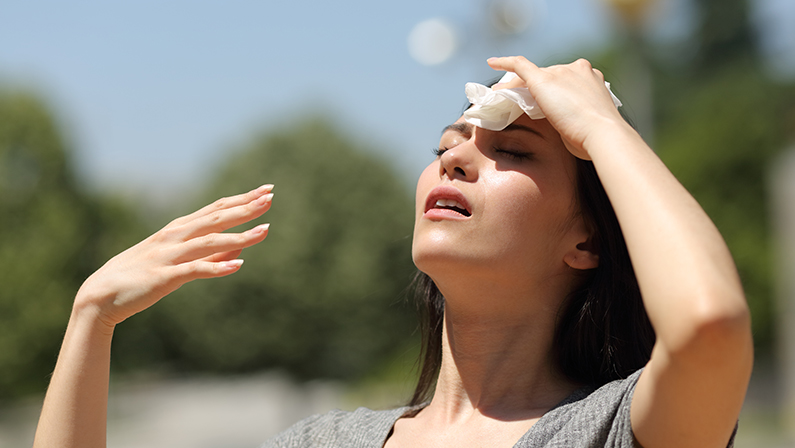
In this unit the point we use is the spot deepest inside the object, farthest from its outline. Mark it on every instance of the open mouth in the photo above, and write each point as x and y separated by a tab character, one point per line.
449	204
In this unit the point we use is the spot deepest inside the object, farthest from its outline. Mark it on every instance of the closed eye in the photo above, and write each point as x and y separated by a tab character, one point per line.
439	150
516	156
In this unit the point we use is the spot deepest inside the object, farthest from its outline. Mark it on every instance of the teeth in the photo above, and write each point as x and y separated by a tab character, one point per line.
448	203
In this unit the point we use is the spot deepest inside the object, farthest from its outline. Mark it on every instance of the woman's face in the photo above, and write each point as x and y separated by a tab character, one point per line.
500	204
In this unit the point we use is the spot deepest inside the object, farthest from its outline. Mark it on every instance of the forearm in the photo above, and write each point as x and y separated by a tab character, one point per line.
685	271
75	407
692	389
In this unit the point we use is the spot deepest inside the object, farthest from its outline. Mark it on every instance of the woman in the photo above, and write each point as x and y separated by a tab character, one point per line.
501	232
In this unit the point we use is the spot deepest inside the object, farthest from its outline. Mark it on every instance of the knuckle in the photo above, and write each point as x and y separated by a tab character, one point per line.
209	240
162	235
215	218
599	73
174	222
221	204
191	268
583	62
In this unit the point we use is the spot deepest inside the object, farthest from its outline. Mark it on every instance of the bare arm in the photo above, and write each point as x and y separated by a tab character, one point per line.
75	407
693	388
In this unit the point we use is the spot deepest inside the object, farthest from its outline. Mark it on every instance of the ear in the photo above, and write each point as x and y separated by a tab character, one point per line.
583	256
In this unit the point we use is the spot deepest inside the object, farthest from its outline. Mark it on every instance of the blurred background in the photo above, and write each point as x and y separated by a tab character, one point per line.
116	117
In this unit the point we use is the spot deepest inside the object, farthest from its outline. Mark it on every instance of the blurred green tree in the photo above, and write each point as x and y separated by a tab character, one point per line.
720	122
52	235
720	140
322	296
725	35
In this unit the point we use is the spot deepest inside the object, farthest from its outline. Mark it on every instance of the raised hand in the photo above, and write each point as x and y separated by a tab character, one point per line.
75	408
572	96
188	248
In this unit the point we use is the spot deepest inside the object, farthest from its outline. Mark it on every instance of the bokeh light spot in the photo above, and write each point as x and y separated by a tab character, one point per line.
432	42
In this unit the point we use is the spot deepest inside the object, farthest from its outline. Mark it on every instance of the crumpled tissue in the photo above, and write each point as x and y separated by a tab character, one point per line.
496	109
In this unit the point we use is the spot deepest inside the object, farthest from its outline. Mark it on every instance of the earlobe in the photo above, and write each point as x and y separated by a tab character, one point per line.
582	257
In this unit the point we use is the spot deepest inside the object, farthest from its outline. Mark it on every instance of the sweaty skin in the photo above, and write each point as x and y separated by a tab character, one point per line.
498	231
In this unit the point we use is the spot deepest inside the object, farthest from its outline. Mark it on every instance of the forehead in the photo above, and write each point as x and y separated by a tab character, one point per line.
541	125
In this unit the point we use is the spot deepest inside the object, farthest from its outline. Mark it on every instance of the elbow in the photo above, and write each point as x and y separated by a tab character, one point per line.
728	328
718	331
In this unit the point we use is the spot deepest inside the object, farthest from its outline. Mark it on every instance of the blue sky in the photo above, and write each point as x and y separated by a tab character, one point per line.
152	94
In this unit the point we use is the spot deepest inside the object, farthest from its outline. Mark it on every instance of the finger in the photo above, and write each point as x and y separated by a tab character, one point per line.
512	84
517	64
217	243
185	272
224	256
599	74
231	201
221	220
226	203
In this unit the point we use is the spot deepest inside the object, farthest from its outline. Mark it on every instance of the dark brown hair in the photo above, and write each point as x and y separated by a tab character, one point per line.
603	332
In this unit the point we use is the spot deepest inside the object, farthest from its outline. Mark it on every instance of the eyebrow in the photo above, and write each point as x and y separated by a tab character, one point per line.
466	128
521	127
463	128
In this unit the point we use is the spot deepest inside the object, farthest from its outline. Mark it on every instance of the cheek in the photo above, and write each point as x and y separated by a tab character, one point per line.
526	211
512	201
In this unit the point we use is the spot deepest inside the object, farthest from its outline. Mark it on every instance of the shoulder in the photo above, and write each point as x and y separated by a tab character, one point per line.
589	417
360	428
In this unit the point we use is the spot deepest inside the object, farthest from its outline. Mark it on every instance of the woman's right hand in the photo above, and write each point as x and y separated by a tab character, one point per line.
188	248
75	408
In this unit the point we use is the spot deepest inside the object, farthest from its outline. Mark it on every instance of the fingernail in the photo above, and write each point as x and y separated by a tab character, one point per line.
262	200
265	188
233	264
262	228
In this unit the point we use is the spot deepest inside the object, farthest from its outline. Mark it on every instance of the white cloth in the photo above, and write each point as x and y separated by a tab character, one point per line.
496	109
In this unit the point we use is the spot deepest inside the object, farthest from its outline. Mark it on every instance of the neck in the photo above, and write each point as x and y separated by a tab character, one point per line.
497	353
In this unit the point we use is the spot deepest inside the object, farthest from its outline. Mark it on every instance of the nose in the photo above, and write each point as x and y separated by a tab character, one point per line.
459	162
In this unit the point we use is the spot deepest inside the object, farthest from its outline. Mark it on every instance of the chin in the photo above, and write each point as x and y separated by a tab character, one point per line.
420	257
437	258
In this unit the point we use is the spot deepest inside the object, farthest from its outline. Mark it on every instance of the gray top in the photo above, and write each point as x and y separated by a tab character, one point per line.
587	418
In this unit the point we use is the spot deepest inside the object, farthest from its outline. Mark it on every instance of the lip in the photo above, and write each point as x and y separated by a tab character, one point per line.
449	193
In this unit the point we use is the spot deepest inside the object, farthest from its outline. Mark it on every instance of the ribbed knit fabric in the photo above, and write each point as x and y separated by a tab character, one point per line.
587	418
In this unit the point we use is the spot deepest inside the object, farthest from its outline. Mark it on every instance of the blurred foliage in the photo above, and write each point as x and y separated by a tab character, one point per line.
725	34
322	296
720	137
720	121
51	237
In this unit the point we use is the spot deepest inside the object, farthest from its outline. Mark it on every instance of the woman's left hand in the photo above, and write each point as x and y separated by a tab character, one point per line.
691	291
573	97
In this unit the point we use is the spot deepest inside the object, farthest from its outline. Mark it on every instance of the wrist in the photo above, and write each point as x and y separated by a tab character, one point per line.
88	311
609	136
